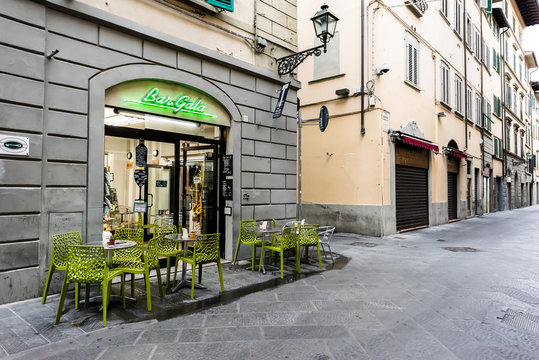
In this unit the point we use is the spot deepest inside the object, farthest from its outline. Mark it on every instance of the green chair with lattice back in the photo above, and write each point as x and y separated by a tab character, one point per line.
205	250
60	242
286	241
130	254
150	262
86	265
307	237
248	236
167	248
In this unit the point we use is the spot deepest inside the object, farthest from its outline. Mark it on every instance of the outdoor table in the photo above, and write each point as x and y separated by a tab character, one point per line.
118	244
264	232
184	240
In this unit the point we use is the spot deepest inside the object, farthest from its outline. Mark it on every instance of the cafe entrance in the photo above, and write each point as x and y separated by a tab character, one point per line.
154	177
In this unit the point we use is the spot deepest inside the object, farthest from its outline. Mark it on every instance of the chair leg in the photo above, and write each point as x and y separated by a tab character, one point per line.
132	285
200	273
331	254
261	258
236	253
48	282
177	261
123	291
105	302
148	292
77	296
62	299
298	269
282	264
160	283
168	272
86	295
193	281
220	269
253	256
319	257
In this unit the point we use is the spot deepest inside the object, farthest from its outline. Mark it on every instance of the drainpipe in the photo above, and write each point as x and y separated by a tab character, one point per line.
299	160
362	67
482	96
502	83
465	78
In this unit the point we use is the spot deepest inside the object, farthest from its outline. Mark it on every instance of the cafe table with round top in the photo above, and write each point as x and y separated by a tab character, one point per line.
184	239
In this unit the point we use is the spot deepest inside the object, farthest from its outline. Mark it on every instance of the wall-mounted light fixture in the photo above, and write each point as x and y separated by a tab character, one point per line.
324	22
442	114
342	92
381	70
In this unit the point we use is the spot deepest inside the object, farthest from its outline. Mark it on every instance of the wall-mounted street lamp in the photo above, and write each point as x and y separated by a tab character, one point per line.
324	22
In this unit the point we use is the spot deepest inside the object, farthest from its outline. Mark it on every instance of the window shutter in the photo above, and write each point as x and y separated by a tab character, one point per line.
223	4
415	67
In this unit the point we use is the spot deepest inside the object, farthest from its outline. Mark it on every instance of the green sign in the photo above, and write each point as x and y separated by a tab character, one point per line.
167	98
14	145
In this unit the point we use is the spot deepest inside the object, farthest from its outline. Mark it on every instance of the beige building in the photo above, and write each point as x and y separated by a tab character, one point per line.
444	131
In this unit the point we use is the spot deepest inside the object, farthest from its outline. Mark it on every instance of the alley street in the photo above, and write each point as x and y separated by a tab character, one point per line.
466	290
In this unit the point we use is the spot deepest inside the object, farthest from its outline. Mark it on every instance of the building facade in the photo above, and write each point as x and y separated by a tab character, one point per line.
139	113
430	118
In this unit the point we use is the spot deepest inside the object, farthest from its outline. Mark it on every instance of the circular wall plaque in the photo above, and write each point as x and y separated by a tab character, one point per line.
323	119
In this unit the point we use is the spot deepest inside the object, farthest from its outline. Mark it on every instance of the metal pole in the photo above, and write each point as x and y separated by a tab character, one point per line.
362	68
299	162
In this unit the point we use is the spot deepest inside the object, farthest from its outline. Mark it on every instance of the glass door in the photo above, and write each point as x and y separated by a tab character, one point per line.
199	197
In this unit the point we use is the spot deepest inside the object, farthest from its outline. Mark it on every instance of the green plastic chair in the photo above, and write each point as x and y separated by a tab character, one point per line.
167	248
286	241
150	262
86	265
308	236
205	250
248	236
130	254
60	242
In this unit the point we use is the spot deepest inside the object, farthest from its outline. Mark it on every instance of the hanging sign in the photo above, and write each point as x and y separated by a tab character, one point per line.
140	207
14	145
141	154
171	99
323	119
282	100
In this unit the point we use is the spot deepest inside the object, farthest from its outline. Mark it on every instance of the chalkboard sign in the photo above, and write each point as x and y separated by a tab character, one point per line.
226	168
160	183
141	176
226	189
141	156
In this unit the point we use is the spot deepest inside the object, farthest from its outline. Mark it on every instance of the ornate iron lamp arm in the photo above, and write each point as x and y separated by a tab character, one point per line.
287	64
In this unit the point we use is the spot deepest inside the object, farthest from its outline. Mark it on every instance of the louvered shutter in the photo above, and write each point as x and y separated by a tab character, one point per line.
223	4
415	82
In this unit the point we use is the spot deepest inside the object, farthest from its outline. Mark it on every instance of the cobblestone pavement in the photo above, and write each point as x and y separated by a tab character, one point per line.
466	290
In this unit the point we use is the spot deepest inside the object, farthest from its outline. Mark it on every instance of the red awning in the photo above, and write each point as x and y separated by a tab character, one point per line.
419	143
458	154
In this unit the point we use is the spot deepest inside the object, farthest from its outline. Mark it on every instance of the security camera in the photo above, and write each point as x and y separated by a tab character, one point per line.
381	70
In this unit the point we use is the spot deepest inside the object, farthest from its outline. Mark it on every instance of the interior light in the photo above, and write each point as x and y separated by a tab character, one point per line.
174	121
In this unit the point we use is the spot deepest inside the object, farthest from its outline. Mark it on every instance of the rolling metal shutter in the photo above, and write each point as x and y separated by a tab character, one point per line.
451	195
412	198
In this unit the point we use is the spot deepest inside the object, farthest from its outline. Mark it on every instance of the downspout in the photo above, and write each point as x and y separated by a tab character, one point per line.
482	95
502	83
465	78
362	67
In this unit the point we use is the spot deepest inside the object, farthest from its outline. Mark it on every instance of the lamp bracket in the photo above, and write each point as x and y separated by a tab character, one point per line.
287	64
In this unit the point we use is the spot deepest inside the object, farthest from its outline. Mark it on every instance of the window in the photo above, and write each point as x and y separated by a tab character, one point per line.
508	96
477	43
528	134
520	71
487	121
478	119
469	35
458	94
412	60
486	59
458	17
516	140
444	7
521	107
468	103
515	62
497	147
223	4
445	83
515	105
522	145
497	106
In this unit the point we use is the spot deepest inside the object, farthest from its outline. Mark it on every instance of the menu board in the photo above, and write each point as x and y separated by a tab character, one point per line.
226	168
160	183
141	154
141	176
226	189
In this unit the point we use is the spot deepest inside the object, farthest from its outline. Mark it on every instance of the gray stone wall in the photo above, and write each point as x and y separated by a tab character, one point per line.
53	190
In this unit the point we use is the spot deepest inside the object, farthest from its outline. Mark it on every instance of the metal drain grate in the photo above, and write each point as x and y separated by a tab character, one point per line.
521	320
460	249
364	244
